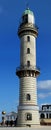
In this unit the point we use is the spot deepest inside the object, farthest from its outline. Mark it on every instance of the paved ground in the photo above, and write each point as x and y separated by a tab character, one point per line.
21	128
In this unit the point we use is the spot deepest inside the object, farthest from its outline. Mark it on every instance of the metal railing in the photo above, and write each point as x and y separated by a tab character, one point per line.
25	67
22	25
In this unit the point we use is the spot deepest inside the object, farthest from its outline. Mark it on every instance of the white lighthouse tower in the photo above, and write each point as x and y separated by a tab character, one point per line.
28	111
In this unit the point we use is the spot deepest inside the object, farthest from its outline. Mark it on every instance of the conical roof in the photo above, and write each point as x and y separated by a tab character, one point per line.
28	11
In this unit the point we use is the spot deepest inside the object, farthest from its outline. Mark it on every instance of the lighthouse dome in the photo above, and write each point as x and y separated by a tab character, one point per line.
28	11
28	16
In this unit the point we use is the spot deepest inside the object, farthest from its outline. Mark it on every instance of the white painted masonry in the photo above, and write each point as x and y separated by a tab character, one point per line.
28	111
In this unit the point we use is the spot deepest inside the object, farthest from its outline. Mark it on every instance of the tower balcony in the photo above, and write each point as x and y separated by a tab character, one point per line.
27	28
24	71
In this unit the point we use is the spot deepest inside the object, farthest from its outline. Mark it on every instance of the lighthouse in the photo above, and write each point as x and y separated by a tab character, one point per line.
28	110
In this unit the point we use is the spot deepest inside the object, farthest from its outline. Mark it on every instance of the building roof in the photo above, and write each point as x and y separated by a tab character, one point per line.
28	11
11	113
46	105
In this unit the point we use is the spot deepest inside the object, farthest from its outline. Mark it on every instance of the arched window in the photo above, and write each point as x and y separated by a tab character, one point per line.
28	38
49	115
28	50
42	116
28	63
28	97
29	116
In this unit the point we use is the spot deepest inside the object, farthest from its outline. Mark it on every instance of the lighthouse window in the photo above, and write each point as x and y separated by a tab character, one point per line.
28	97
28	50
25	18
28	38
29	116
28	63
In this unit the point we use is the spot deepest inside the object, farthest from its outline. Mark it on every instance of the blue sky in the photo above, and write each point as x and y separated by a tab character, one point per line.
10	14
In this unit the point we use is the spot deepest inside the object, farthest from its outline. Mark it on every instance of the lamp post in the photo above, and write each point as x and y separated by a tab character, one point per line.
3	118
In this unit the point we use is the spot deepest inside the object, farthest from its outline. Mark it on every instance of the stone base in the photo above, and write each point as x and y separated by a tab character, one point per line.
24	122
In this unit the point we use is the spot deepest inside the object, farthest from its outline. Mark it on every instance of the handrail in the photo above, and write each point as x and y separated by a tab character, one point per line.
25	67
22	25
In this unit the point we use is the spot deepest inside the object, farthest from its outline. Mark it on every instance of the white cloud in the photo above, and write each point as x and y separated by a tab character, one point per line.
44	95
46	84
41	95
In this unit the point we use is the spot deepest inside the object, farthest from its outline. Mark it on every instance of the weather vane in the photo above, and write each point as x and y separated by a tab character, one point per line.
27	5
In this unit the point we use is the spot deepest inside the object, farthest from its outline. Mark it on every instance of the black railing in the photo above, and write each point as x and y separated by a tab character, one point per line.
25	67
22	25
